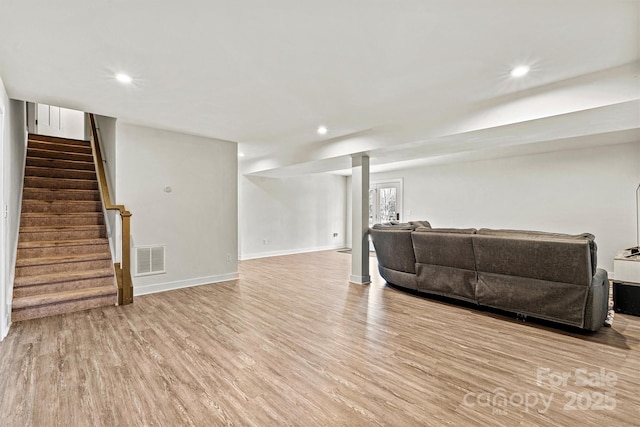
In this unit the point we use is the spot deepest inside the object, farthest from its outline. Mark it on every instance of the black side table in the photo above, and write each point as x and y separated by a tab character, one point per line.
626	285
626	298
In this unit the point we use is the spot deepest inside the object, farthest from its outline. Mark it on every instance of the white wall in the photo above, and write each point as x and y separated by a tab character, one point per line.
4	276
107	133
12	158
72	122
197	220
293	215
588	190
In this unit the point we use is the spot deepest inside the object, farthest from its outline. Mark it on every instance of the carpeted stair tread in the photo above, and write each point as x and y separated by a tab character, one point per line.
59	214
46	162
62	262
35	219
67	232
48	153
61	148
61	206
61	194
52	172
27	262
58	243
61	297
57	139
42	279
63	202
62	183
63	307
38	229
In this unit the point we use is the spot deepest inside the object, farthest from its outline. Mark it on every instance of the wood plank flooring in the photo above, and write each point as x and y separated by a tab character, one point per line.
293	343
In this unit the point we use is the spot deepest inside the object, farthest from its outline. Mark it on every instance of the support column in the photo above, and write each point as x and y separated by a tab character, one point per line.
360	220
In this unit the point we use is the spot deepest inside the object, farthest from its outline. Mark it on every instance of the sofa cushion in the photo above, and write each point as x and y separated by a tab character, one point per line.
555	301
394	248
446	247
394	226
536	257
541	235
423	223
445	262
447	230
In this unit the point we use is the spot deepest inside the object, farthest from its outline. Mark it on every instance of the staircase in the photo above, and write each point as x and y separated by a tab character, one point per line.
63	263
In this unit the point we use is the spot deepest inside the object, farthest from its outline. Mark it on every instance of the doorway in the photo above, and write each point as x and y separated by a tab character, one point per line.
56	121
385	201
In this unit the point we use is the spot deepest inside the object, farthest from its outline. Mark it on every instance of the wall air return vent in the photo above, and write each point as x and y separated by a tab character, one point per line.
149	260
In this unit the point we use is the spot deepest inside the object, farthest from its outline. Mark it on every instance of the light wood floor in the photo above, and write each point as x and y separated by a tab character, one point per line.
292	343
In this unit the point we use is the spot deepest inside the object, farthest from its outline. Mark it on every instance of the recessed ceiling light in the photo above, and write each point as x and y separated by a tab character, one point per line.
520	71
240	154
123	78
322	130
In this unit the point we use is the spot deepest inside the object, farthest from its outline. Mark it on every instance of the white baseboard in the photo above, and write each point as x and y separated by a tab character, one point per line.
244	257
360	280
167	286
4	328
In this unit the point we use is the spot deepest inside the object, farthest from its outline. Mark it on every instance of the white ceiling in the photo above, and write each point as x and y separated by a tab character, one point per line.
401	80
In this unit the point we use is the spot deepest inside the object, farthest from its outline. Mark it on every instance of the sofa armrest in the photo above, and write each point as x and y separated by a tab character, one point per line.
597	301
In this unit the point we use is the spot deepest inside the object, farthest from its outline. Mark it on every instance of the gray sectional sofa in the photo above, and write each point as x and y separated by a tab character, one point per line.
543	275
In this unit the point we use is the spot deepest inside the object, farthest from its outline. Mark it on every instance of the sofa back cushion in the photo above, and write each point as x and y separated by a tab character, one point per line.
394	226
451	247
544	275
422	223
445	262
394	248
522	251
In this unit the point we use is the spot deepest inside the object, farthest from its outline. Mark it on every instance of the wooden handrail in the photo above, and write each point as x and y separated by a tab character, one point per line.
123	269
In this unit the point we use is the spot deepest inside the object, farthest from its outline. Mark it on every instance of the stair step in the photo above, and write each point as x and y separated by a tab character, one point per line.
36	306
46	172
51	194
60	147
48	153
58	248
32	234
47	182
59	277
63	206
61	219
60	163
62	259
63	285
58	140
